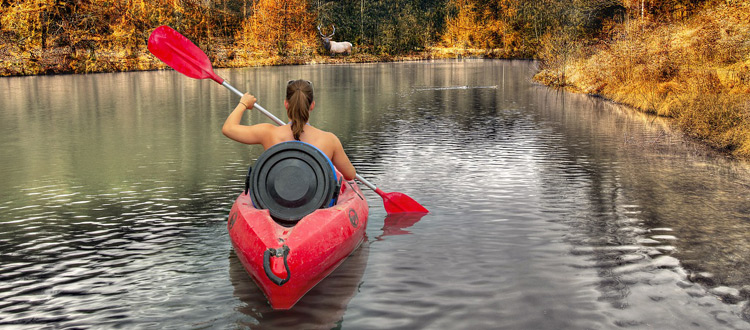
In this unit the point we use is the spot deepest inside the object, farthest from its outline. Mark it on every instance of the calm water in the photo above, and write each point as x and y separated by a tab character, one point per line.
549	210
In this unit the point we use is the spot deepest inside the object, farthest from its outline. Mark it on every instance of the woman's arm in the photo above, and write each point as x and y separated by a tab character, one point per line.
341	161
243	133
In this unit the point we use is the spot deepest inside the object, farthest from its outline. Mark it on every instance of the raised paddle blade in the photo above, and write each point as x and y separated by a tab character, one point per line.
181	54
396	202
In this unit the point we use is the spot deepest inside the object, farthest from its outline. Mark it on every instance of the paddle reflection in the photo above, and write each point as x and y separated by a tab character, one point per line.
395	224
322	307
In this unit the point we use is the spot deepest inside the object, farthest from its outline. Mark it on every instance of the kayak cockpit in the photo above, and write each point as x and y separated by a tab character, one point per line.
292	179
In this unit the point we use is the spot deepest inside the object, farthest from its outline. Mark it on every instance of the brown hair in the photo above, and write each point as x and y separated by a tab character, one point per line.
299	94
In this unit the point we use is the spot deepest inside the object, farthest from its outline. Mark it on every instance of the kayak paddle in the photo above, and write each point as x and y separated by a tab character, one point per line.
181	54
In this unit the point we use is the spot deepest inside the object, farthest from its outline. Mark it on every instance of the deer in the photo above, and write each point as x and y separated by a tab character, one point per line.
335	47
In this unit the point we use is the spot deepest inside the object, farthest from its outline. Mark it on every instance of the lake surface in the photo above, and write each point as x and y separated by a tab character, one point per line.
549	210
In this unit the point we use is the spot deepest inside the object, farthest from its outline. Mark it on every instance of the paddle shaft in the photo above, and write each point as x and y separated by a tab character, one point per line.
257	106
278	121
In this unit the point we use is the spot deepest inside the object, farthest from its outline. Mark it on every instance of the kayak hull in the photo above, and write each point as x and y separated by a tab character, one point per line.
286	262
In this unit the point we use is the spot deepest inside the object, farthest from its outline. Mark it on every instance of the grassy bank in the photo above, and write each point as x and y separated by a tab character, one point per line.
695	71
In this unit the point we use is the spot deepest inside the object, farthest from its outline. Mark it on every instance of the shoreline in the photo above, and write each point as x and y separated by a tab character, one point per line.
57	61
714	148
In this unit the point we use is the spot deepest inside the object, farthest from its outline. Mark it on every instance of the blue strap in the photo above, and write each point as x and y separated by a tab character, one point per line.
330	163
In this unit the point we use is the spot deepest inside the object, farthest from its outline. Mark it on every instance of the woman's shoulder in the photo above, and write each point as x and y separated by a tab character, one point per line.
329	137
265	126
326	141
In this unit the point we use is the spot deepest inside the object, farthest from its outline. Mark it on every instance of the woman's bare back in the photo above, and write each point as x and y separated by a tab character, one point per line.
327	142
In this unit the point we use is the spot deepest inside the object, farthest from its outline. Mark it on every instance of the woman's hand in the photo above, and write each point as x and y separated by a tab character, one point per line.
248	101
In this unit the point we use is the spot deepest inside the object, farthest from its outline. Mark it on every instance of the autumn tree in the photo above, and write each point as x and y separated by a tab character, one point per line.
665	10
286	26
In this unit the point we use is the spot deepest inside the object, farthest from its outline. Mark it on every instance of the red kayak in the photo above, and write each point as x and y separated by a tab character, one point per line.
288	259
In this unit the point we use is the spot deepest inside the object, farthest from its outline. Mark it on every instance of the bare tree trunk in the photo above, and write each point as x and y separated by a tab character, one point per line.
361	20
43	26
244	17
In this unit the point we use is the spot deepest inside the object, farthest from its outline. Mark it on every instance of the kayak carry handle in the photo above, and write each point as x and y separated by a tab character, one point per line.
271	252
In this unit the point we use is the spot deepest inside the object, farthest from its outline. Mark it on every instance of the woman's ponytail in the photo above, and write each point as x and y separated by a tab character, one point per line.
299	95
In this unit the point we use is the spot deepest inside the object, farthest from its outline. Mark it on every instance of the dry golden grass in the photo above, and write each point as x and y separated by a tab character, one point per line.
696	71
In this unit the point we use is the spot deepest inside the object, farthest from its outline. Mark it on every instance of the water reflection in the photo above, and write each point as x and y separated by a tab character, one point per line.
649	191
396	224
322	307
644	220
548	210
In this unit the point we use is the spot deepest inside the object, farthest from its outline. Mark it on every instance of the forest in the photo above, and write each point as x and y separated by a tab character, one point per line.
684	59
79	36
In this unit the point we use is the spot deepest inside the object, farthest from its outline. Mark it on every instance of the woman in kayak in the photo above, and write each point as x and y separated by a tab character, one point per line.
299	103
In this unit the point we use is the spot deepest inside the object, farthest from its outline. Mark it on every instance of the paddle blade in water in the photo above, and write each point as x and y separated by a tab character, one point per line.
396	202
181	54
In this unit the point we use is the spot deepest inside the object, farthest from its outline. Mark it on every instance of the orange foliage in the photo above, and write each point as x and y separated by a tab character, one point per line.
492	24
464	30
282	25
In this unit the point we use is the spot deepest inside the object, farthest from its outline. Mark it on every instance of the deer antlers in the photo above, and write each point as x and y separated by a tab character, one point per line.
324	36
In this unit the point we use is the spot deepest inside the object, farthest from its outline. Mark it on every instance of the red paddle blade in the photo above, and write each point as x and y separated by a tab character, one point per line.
396	202
181	54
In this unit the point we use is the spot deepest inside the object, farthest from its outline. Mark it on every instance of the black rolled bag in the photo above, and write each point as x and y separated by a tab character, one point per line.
292	179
